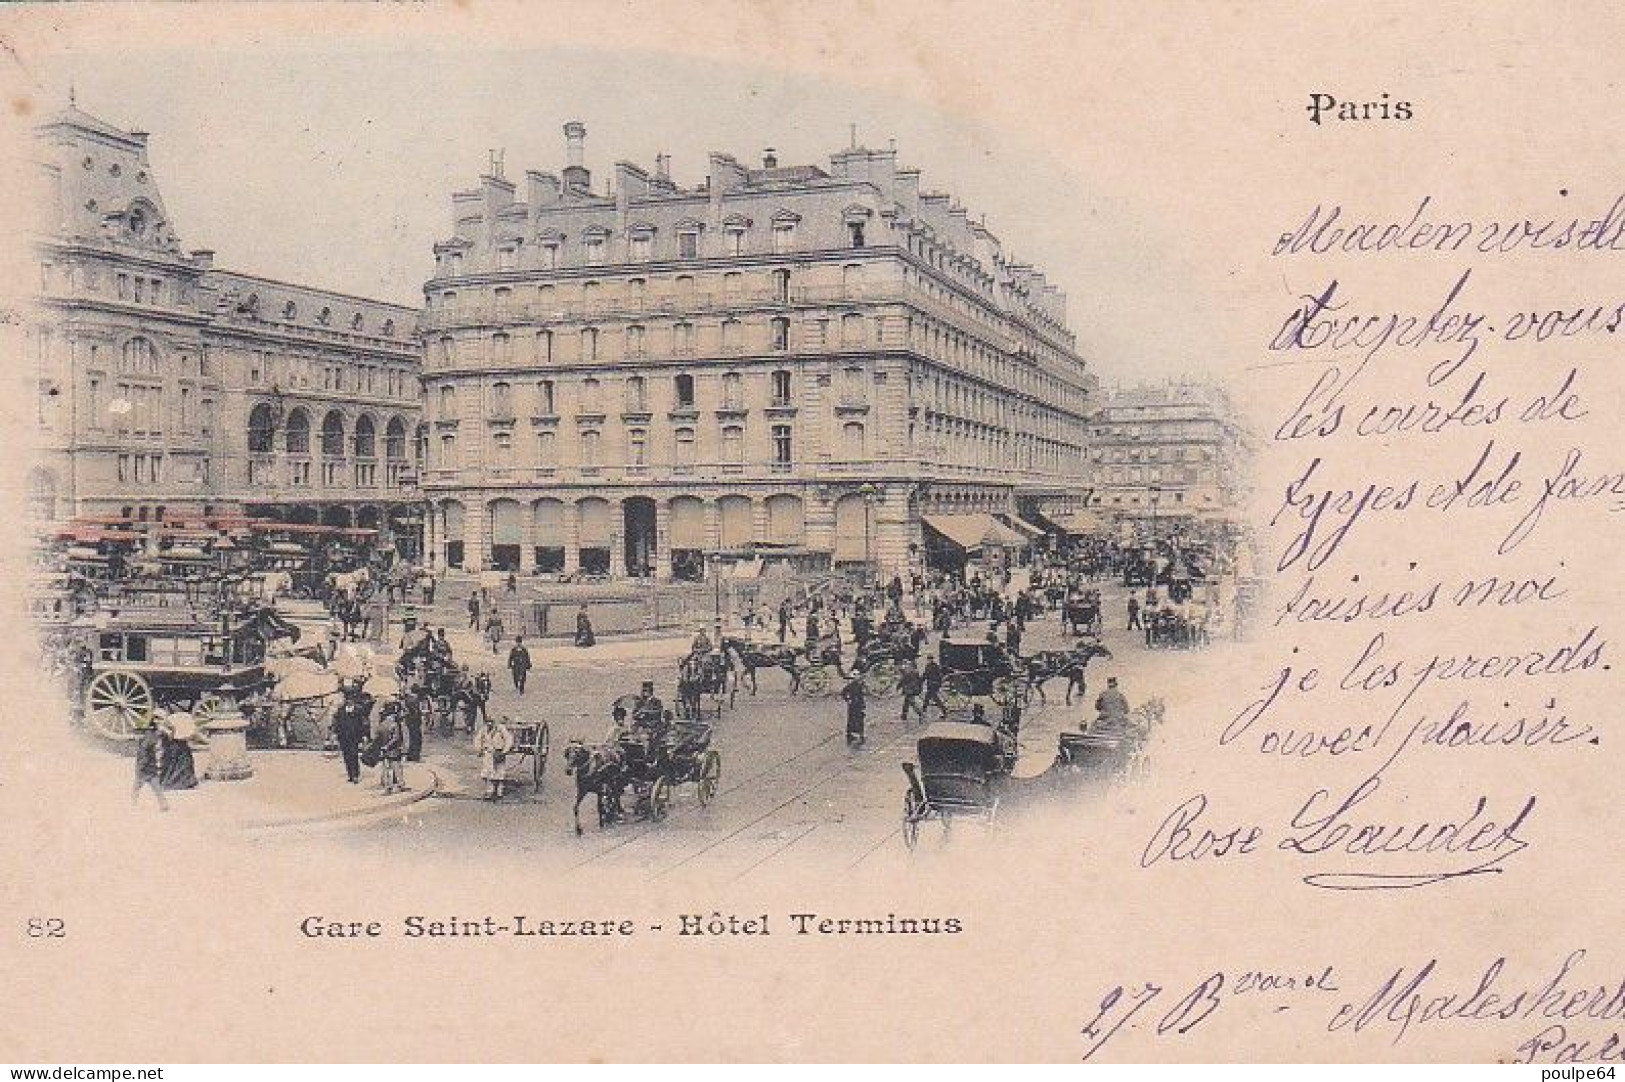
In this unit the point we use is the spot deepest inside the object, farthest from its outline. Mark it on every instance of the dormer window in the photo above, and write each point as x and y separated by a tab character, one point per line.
595	244
290	311
641	243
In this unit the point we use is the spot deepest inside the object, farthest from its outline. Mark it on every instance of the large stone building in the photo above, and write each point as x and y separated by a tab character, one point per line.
167	387
1168	452
827	360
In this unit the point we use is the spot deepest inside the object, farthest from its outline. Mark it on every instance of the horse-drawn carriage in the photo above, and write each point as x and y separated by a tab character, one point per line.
647	759
961	766
973	670
1081	613
704	674
133	663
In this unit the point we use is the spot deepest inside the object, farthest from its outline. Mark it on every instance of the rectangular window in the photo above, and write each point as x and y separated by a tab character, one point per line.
781	388
688	245
783	448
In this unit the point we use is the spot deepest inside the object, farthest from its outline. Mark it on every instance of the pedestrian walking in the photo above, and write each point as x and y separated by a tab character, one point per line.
584	635
931	677
389	746
412	717
494	630
474	612
911	685
350	726
856	708
149	766
519	664
1133	613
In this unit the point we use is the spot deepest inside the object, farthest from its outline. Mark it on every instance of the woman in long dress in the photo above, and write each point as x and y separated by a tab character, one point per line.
584	635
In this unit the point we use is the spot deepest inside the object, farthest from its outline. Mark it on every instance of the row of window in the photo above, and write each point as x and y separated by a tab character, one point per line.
263	425
635	394
643	243
590	444
293	373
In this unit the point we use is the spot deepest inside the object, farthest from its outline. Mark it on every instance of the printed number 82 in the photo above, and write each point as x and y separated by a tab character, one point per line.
47	928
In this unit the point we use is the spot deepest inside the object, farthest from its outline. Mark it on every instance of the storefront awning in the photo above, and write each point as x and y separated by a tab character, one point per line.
1083	522
974	531
1022	526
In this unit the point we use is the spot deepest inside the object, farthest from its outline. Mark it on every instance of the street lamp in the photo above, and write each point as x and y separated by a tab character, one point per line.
715	560
868	492
1156	497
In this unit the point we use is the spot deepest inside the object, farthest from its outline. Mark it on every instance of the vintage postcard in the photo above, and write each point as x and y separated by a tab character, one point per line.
752	531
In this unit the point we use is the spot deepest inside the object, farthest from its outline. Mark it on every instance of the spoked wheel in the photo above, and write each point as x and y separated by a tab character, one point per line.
660	799
913	811
1008	690
816	681
881	680
538	757
118	704
710	777
210	706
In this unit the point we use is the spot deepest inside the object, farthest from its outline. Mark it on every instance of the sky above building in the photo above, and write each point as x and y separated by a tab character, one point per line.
335	167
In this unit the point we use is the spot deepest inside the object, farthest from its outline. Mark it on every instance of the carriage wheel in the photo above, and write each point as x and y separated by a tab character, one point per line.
210	706
1007	691
538	755
816	681
118	704
710	776
659	798
913	812
881	680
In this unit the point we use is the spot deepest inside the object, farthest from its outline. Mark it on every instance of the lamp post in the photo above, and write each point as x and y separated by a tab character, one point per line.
868	492
1156	497
715	560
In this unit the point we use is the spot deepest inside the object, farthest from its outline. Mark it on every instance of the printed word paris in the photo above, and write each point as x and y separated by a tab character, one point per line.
1327	107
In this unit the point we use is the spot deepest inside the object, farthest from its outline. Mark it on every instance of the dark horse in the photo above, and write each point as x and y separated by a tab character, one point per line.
1045	665
770	656
600	771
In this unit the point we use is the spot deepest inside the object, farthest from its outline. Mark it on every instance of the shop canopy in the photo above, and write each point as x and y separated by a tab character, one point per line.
1022	526
974	531
1083	522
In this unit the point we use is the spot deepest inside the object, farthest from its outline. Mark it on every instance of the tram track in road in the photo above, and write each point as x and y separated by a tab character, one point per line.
819	782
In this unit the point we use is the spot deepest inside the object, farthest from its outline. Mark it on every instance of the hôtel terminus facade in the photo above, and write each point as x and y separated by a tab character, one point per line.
826	360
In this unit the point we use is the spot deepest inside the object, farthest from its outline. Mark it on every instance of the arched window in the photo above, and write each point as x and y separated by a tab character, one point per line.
333	435
296	437
395	440
261	430
366	438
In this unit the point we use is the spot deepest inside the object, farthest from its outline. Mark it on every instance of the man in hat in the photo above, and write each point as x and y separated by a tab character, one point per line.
519	664
1111	709
647	706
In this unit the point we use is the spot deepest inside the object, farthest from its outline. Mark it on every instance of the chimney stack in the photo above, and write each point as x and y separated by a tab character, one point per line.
663	166
577	178
770	159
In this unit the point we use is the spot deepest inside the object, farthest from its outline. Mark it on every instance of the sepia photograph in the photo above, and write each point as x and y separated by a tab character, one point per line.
770	518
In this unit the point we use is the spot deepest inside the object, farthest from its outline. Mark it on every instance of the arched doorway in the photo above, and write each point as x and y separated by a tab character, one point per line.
547	516
687	538
452	533
507	534
336	516
786	520
736	521
640	532
595	532
367	518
